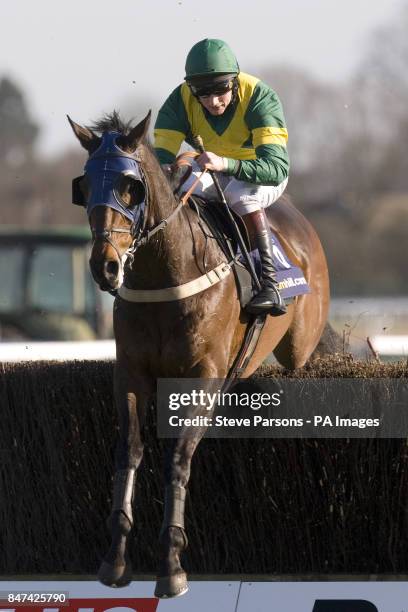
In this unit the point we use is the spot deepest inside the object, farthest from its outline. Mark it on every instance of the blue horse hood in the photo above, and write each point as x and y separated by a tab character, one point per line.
104	169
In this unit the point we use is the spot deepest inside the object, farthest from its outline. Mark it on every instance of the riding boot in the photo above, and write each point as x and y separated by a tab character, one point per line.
268	299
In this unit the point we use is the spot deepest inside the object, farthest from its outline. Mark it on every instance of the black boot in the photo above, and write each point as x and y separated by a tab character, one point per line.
269	299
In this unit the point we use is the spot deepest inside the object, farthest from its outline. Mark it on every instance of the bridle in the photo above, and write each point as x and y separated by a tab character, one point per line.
105	234
139	232
126	164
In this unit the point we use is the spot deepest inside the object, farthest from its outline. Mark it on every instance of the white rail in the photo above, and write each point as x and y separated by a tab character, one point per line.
57	351
391	345
105	349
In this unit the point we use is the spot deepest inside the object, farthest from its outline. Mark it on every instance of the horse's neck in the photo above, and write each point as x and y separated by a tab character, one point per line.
171	256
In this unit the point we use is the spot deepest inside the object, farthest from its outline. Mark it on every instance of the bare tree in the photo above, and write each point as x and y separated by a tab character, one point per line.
17	130
382	78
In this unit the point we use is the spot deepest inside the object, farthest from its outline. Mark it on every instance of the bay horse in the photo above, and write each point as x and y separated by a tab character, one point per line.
191	337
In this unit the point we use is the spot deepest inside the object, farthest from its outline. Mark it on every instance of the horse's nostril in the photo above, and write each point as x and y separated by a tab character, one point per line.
111	268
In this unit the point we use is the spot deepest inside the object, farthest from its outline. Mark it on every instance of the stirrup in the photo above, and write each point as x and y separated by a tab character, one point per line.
268	300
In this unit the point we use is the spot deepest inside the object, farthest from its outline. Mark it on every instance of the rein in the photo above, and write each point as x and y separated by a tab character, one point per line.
145	235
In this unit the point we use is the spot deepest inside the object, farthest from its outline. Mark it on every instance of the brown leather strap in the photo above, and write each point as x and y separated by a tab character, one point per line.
185	159
193	186
253	333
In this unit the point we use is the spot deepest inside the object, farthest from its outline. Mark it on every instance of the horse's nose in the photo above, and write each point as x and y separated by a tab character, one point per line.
111	270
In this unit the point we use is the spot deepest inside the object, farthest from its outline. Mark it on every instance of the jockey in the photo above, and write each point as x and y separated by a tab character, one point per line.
241	123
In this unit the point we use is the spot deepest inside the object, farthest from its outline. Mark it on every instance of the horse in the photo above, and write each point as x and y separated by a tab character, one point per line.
197	336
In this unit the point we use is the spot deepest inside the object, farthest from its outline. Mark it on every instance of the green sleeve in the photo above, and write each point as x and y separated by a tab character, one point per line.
266	121
270	167
171	127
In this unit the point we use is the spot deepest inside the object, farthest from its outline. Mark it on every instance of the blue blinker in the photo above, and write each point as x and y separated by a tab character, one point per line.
104	169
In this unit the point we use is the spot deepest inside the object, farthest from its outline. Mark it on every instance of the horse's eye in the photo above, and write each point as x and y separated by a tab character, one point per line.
130	191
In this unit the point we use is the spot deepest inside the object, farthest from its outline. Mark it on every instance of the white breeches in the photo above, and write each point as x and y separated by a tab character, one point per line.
241	196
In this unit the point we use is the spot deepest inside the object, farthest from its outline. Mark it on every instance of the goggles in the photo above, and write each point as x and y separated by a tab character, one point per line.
211	89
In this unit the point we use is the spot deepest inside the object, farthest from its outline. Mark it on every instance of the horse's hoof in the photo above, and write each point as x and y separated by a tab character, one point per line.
171	586
115	575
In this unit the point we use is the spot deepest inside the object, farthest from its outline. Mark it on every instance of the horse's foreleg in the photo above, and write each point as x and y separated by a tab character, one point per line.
172	579
116	568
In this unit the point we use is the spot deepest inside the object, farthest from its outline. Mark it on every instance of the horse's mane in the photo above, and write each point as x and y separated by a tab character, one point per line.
111	122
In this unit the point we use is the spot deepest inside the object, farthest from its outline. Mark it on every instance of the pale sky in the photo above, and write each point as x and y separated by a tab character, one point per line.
86	57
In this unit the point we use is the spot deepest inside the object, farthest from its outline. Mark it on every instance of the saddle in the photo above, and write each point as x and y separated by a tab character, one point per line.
218	224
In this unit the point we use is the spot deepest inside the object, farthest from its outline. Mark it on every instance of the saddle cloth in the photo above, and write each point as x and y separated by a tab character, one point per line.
291	280
289	276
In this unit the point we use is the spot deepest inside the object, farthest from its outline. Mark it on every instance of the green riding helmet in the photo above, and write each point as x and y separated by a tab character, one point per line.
210	57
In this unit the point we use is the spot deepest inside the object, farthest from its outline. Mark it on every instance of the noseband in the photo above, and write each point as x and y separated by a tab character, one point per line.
105	235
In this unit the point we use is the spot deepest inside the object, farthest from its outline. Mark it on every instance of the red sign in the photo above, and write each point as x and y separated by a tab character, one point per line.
130	604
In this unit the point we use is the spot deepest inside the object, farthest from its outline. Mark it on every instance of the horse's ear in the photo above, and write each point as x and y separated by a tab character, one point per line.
136	134
86	137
